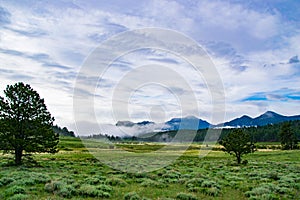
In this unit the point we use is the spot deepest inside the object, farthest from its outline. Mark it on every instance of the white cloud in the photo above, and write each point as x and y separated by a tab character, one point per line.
250	47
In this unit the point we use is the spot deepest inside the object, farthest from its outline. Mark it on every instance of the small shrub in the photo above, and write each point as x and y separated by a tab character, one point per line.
5	181
54	186
15	190
185	196
104	188
269	197
195	182
92	191
116	182
172	175
19	197
132	196
93	181
67	191
283	190
39	177
212	191
264	189
151	183
26	182
87	190
234	178
49	187
210	184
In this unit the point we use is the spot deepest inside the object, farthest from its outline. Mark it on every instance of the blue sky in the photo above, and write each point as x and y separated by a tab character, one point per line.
253	44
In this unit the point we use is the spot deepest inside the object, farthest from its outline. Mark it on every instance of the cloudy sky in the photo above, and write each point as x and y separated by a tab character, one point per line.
253	44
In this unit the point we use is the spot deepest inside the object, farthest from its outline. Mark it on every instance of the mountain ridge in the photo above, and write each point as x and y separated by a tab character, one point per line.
269	117
195	123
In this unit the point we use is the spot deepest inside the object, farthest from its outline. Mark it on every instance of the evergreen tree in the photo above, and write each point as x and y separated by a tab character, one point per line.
237	143
288	137
25	123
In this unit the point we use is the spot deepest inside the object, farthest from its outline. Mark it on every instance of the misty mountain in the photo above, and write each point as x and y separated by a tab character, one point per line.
194	123
131	124
187	123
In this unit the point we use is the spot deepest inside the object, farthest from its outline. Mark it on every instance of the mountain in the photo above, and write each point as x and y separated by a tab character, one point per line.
125	123
268	117
131	124
194	123
188	123
143	123
241	121
294	59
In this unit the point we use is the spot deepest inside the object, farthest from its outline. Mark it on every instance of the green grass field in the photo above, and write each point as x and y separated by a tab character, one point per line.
74	173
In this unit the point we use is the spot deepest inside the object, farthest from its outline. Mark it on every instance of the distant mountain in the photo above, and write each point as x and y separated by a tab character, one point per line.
187	123
268	117
241	121
294	59
131	124
194	123
143	123
125	123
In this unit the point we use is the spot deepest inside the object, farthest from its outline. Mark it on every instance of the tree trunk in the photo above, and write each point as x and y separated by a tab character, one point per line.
18	156
238	158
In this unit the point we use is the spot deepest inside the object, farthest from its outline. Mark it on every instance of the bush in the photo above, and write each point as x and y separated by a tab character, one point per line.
93	191
19	197
48	187
96	179
116	182
53	186
39	177
60	188
195	182
25	182
5	181
15	190
264	191
212	191
67	191
185	196
104	188
151	183
132	196
210	184
171	176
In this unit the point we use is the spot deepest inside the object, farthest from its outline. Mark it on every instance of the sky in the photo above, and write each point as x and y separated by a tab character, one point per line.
253	45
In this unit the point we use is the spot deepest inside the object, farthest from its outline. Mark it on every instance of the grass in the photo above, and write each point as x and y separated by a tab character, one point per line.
74	173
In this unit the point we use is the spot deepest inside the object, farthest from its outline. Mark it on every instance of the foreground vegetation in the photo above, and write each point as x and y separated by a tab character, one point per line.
75	174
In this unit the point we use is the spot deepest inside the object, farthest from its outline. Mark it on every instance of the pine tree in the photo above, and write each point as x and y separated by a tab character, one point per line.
25	123
288	137
237	143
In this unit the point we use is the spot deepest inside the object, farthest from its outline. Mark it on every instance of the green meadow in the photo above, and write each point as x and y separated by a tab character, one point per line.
75	173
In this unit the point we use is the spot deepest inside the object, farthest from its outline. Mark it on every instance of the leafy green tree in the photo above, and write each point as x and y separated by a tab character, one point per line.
288	137
25	123
237	143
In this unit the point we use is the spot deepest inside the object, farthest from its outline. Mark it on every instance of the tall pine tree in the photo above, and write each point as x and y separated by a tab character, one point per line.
25	123
288	137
